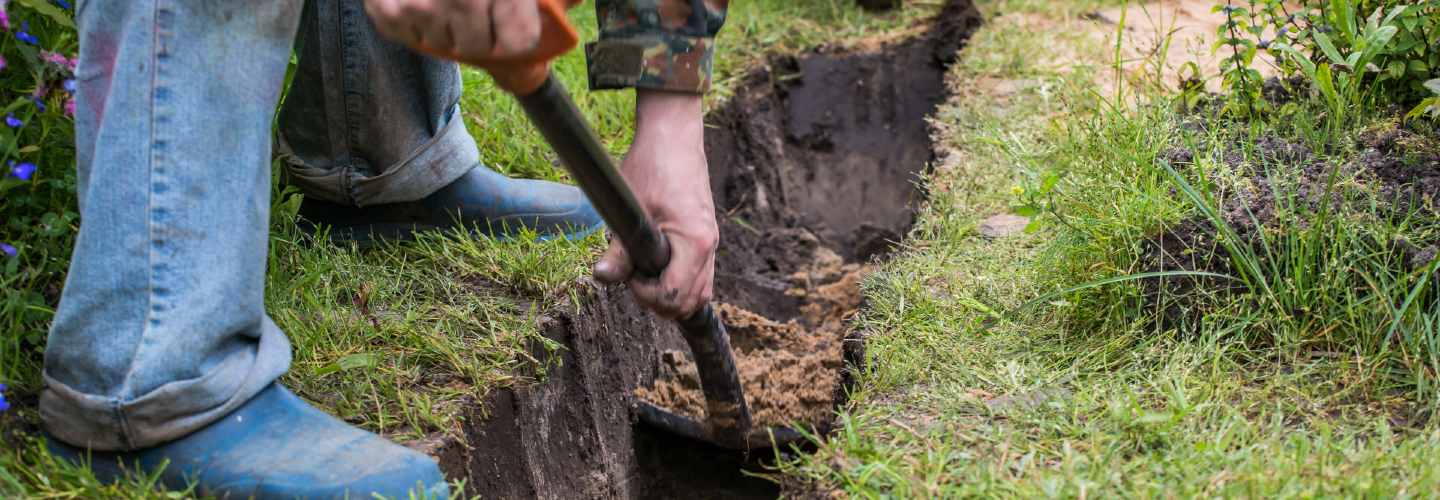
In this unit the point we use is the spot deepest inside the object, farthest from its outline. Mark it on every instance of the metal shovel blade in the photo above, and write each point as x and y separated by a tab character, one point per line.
727	423
755	438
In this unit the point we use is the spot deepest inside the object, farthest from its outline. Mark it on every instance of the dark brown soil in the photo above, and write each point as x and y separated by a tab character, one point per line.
1401	167
813	165
879	5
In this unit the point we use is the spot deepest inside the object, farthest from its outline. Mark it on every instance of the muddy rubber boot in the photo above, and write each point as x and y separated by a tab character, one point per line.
484	201
276	446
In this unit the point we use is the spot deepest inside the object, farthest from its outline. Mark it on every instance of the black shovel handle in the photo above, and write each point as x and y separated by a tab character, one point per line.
566	130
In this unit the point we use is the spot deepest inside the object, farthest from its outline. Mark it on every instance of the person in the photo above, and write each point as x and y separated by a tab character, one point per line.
161	356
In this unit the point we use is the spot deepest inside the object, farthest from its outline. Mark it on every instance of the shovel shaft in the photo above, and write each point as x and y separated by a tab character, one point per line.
565	129
728	415
567	132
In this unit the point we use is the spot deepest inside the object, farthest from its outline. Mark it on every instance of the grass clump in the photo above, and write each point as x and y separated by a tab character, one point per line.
1311	249
1211	304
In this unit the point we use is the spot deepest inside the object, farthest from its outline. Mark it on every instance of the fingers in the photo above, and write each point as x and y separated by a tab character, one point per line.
518	29
686	285
431	23
392	18
682	289
475	33
436	32
471	29
614	267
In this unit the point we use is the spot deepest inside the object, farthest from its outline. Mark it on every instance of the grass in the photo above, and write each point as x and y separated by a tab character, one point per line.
1296	388
1032	365
396	339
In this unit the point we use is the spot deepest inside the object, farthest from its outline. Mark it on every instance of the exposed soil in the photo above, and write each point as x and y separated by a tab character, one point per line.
814	165
880	5
1162	37
790	370
1400	167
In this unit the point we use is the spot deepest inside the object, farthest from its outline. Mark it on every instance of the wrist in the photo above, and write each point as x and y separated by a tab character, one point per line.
672	115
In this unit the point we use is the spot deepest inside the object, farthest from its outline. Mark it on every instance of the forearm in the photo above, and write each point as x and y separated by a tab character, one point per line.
663	49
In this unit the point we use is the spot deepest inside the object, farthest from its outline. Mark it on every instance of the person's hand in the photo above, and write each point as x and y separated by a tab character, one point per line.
666	168
469	29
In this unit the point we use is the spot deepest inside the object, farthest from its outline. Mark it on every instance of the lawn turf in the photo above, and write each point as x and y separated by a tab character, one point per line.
1011	367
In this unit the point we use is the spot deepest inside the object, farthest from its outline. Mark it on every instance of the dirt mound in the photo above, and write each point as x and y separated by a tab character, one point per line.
813	164
790	370
1406	165
1285	184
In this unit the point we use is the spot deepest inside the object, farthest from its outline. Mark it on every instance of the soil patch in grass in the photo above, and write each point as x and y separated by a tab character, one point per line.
814	165
1283	189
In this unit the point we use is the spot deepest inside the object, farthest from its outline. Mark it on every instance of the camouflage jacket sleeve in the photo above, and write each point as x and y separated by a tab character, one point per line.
655	44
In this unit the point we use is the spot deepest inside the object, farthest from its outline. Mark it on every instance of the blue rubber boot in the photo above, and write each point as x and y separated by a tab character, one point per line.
277	446
483	201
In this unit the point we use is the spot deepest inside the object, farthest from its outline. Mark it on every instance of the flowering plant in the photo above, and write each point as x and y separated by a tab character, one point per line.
38	218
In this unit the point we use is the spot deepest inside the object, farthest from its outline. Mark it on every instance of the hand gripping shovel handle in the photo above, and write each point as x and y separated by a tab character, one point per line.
552	111
549	107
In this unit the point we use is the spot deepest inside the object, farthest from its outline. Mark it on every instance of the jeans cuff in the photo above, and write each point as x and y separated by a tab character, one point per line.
435	164
167	413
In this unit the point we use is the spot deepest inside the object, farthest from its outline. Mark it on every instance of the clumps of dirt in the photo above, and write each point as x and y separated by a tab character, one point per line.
1281	186
677	386
1406	166
789	374
789	370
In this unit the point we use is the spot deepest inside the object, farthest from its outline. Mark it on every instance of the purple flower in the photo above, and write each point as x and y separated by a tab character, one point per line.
4	15
55	58
58	59
2	62
7	250
12	122
24	34
23	170
68	85
4	405
70	107
63	4
39	101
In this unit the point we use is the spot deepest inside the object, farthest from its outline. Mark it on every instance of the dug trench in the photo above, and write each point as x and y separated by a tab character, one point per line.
814	164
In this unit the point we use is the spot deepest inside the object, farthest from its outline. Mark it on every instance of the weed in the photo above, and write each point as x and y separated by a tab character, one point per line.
1352	53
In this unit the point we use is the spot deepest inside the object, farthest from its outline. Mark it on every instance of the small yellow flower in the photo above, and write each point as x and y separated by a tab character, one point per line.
1017	190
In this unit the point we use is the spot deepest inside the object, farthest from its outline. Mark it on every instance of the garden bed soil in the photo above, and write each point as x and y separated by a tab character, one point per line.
1399	166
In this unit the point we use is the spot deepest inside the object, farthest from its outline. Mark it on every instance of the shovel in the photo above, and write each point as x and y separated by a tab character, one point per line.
549	107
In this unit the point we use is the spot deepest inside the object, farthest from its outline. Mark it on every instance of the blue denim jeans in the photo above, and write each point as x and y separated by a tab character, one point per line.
162	327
